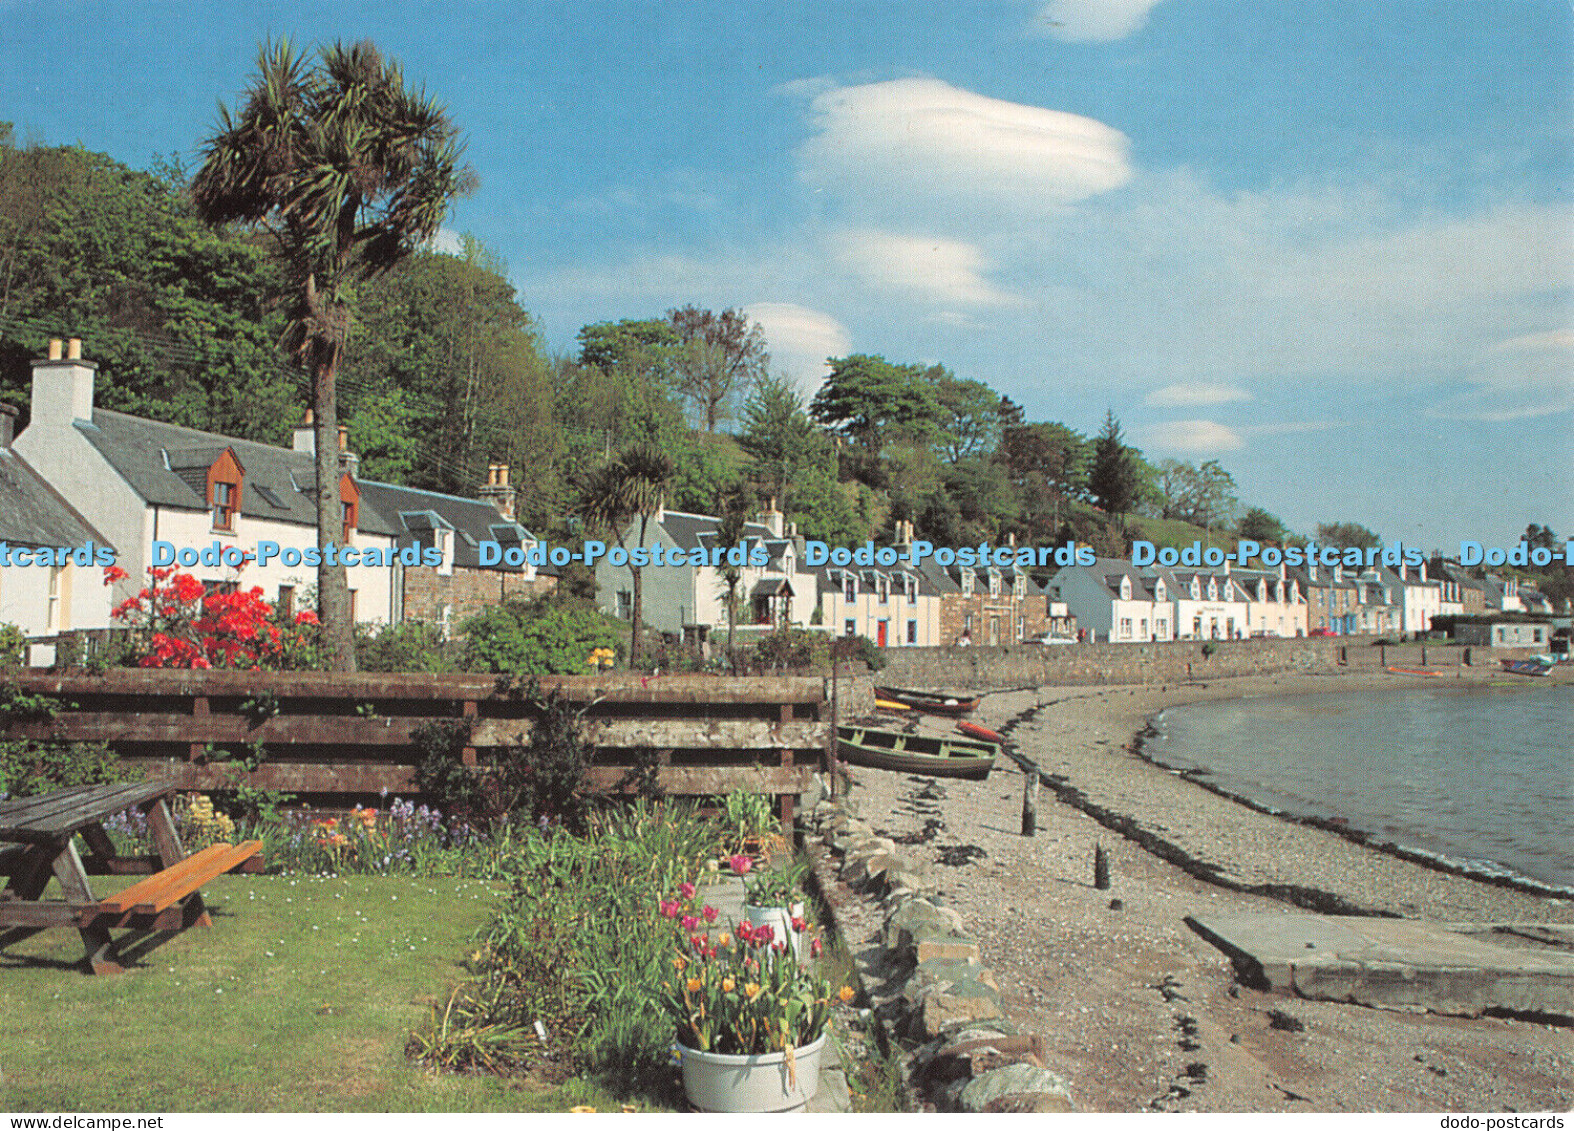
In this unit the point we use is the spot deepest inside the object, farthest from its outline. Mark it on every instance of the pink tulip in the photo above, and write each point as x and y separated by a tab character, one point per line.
814	948
690	922
741	865
799	922
670	909
710	914
686	890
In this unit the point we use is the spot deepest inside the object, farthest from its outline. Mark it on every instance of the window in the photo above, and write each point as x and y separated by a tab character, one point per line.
286	601
1161	628
849	587
625	604
224	506
58	590
967	583
850	627
910	583
1021	628
1125	628
1144	623
884	586
994	584
912	632
967	624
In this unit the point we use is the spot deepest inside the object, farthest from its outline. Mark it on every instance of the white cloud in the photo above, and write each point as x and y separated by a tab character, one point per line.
800	340
1189	437
941	270
447	242
1092	20
1187	395
1526	376
917	143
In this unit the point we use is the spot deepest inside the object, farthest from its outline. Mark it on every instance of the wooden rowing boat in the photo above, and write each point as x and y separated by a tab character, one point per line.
1525	667
932	702
941	757
891	705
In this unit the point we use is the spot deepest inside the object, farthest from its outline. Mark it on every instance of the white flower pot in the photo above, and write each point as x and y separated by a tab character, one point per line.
779	919
724	1082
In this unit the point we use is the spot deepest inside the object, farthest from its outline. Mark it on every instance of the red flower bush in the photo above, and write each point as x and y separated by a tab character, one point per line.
178	623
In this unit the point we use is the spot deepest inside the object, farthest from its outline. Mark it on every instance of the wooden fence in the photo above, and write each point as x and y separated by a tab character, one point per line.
332	734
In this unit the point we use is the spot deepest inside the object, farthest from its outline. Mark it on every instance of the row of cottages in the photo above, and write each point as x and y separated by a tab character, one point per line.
1114	601
689	601
894	606
136	482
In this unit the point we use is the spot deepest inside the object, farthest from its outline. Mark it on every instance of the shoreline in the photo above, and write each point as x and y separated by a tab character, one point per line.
1138	1011
1483	871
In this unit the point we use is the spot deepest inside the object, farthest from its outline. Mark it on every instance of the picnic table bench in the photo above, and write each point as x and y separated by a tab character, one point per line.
38	840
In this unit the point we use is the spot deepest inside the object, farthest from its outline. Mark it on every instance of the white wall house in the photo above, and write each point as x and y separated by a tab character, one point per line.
895	607
1275	605
690	600
43	590
1115	602
141	482
1419	599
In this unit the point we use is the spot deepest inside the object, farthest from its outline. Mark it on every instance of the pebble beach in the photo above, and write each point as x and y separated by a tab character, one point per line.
1140	1013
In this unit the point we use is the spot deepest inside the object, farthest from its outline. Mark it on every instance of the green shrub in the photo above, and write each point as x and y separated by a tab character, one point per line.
13	643
30	768
538	638
408	647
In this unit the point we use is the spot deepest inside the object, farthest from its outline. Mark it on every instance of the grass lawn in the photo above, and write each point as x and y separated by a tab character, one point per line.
299	998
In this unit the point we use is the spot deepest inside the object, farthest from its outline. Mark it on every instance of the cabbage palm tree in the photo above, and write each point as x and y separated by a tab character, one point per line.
615	494
349	171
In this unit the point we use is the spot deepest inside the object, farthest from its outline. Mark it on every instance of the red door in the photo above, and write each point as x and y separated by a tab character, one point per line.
880	633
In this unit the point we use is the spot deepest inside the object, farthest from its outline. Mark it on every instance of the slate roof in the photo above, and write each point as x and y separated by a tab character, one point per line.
280	484
167	465
412	514
32	514
693	531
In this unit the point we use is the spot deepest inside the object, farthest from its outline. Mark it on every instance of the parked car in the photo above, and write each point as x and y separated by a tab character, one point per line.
1049	639
1322	632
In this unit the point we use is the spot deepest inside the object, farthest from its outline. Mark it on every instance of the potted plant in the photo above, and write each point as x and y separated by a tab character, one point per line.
750	1018
774	897
751	823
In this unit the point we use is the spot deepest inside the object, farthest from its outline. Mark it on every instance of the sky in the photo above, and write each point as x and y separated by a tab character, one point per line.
1328	245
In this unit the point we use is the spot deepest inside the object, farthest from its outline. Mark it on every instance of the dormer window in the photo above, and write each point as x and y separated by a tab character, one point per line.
350	501
1159	592
1196	589
910	584
1125	589
1213	590
1019	586
849	587
994	583
224	506
967	583
225	478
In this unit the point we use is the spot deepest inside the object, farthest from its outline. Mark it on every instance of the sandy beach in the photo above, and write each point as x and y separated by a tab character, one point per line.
1140	1013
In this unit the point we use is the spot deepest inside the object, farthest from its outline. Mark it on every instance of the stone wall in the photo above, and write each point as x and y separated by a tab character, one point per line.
466	592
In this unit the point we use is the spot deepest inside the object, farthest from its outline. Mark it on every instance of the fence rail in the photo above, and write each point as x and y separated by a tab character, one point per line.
325	733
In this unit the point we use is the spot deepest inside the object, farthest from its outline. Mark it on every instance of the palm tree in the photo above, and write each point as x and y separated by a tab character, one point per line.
736	503
631	486
349	171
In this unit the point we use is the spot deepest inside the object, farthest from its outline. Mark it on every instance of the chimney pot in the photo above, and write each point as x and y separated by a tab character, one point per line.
56	349
344	438
74	349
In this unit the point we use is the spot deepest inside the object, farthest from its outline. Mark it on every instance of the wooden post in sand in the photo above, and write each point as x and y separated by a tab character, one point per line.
1030	803
1100	868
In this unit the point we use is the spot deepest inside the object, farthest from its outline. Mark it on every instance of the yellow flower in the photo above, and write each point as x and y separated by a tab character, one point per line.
694	985
846	993
724	939
728	985
680	963
751	990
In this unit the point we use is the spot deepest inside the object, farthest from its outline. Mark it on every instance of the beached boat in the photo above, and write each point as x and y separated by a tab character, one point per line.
1525	667
916	753
973	730
933	702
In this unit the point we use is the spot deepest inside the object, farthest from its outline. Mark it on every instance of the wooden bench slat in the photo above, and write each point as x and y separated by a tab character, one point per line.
46	817
162	889
175	891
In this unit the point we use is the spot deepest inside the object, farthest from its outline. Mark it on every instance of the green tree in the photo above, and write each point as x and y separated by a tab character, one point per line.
719	357
780	439
1114	476
349	172
1348	534
967	417
1260	526
867	398
643	347
1202	495
617	494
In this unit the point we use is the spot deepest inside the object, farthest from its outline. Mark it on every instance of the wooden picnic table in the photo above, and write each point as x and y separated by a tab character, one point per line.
38	840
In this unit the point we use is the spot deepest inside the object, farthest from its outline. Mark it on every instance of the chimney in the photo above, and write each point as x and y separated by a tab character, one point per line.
348	460
498	491
62	387
8	415
772	517
305	438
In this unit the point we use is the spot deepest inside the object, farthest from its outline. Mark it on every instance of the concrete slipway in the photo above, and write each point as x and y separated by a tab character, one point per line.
1456	968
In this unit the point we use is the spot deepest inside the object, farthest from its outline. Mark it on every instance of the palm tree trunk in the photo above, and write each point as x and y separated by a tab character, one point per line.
333	590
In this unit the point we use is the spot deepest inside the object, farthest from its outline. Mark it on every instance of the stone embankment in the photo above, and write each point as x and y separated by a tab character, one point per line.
923	975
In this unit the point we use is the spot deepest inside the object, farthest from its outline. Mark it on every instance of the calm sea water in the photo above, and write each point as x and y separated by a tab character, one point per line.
1483	776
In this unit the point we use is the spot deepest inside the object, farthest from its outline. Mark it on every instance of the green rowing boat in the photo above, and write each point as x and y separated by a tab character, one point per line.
941	757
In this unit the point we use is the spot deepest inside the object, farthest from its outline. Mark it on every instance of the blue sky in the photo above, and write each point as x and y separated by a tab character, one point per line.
1330	245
